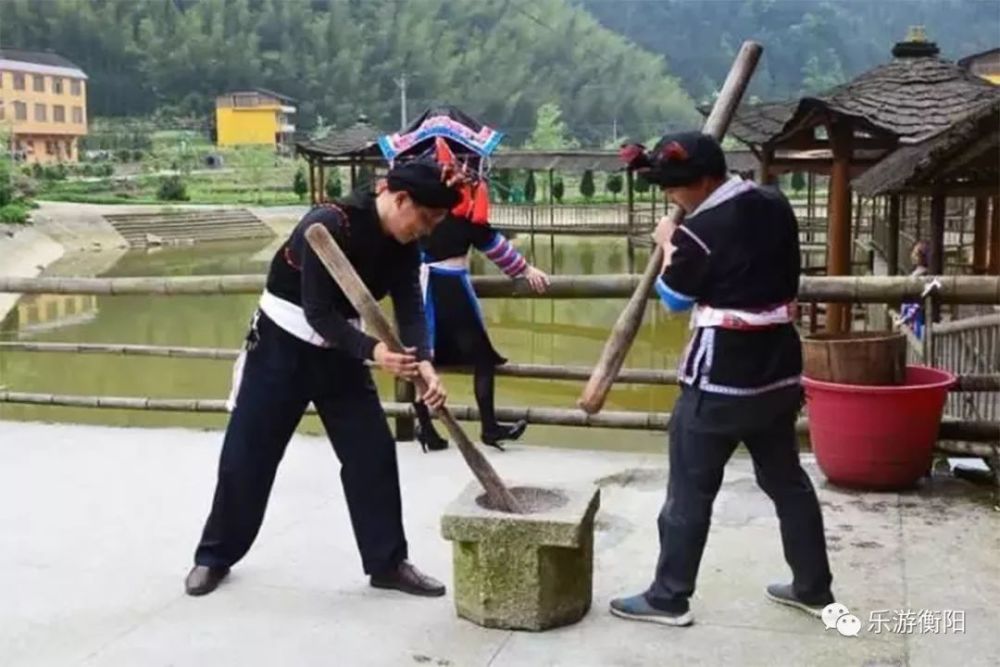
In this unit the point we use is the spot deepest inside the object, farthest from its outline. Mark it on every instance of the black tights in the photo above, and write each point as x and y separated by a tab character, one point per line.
483	383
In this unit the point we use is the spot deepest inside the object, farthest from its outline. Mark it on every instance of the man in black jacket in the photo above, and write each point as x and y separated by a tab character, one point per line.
306	345
735	262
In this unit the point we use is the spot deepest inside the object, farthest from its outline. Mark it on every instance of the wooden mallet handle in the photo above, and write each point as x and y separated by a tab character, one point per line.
333	258
627	326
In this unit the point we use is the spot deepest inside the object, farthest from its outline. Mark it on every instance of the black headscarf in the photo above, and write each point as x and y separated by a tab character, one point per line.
421	179
677	159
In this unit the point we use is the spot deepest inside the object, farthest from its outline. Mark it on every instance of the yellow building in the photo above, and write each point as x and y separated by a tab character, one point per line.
985	65
43	105
254	117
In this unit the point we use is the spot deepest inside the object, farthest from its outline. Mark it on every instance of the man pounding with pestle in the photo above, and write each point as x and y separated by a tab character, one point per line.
306	345
734	261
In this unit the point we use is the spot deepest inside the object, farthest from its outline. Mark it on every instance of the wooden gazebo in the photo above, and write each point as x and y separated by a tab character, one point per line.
914	97
962	161
352	147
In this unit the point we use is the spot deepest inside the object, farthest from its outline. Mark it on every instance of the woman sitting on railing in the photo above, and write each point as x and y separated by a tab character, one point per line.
911	314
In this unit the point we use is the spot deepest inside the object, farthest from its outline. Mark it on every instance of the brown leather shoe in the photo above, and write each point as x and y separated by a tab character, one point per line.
202	579
408	579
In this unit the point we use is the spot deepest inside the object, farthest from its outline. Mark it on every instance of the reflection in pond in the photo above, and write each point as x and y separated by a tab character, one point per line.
543	331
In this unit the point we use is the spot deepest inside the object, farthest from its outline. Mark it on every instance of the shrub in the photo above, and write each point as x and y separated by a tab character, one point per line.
172	188
558	189
333	188
614	184
587	185
14	214
299	185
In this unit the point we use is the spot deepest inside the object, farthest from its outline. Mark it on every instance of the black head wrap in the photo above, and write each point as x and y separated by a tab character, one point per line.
677	159
421	179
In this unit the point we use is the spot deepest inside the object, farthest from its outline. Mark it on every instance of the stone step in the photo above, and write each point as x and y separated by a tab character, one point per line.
207	225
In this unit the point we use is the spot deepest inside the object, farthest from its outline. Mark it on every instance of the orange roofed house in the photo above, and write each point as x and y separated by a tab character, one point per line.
43	105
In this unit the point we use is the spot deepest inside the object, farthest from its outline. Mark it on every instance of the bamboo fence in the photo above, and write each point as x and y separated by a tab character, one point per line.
977	436
971	383
827	289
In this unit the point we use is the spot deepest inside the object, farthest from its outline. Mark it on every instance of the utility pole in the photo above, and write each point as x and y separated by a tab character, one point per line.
401	82
614	130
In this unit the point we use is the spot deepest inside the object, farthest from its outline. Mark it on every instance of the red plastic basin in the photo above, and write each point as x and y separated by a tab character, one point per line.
877	437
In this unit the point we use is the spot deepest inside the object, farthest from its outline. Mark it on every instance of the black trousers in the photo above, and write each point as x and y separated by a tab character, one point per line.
705	429
282	374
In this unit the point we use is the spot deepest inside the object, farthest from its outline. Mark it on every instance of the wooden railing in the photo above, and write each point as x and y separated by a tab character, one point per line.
977	432
968	346
833	289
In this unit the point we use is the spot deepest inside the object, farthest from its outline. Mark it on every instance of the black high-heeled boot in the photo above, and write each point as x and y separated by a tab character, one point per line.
430	440
426	434
498	433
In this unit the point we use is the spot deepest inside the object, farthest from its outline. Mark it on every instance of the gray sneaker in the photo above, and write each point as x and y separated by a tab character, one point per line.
636	608
784	594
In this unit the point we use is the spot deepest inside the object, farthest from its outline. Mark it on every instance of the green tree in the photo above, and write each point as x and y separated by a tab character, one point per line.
640	184
587	185
614	184
529	187
558	189
299	185
822	72
172	188
6	181
550	131
798	181
334	188
860	34
501	185
175	56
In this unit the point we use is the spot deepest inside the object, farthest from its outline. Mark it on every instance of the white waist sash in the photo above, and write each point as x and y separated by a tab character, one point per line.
460	262
731	318
453	264
287	316
292	319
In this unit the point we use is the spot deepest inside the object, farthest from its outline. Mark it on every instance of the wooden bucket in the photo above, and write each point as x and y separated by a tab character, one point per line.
865	358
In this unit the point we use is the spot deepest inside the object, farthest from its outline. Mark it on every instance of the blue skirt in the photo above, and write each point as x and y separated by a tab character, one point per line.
455	321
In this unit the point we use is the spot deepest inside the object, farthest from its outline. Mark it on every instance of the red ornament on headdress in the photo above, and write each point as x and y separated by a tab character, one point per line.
629	152
474	205
674	151
480	204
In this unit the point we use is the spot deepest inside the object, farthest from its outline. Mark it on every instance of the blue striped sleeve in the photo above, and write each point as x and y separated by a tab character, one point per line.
672	299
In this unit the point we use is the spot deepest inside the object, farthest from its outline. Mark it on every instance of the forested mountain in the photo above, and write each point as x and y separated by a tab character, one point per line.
614	68
809	45
499	59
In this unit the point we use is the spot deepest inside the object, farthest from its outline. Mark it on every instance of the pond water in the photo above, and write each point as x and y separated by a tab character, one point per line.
542	331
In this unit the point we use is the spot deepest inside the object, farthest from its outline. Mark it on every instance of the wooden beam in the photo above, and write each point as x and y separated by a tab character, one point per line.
951	189
825	289
994	264
936	263
806	142
892	251
980	235
967	431
986	145
919	230
322	182
767	157
839	213
630	191
312	183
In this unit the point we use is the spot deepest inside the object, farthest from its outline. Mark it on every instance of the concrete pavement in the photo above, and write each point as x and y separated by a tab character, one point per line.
99	524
